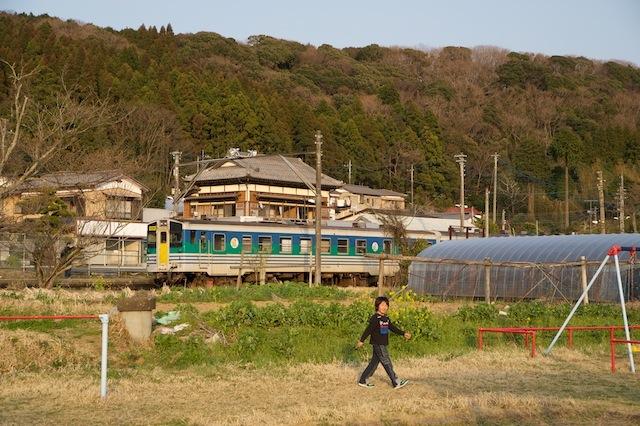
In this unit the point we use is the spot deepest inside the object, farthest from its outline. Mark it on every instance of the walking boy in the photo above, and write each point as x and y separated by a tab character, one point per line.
378	328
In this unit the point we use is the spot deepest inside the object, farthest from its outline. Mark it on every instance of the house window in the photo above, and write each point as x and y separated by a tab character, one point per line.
387	246
325	245
361	246
112	244
119	208
264	244
305	245
219	242
247	244
285	245
343	246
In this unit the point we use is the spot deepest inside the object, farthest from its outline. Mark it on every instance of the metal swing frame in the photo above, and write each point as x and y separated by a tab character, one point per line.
613	252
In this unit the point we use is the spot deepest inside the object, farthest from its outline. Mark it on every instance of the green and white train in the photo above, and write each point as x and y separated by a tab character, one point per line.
225	250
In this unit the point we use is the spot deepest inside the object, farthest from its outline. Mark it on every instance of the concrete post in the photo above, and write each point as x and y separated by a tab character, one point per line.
487	280
239	278
583	277
381	276
136	312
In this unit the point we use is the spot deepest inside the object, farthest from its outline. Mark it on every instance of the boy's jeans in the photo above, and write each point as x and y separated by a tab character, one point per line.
380	355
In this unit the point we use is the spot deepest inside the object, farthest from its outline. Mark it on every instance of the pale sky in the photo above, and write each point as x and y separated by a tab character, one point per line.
598	29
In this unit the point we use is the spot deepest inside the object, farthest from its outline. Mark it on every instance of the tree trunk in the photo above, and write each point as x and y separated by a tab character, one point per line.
633	222
531	202
566	196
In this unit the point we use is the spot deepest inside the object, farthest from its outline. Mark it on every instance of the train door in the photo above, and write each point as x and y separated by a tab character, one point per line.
163	245
203	250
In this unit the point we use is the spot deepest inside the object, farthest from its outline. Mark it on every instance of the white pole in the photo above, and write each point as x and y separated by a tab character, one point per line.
104	319
575	307
624	315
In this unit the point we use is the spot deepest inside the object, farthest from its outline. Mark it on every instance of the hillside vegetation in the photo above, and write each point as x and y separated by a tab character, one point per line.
383	108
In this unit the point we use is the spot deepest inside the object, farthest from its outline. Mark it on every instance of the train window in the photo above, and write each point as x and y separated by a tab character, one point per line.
219	242
325	245
175	229
285	245
151	236
247	244
343	246
305	245
386	244
163	237
192	237
264	244
361	246
203	242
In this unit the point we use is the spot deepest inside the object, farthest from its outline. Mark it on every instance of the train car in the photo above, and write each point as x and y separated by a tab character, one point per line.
226	250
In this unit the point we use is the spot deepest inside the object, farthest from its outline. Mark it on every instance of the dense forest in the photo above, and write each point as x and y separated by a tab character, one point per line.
385	109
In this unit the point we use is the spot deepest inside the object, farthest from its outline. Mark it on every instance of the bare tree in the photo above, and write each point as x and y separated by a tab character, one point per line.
33	134
512	191
57	237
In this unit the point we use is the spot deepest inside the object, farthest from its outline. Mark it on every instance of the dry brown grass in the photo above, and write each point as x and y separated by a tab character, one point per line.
491	387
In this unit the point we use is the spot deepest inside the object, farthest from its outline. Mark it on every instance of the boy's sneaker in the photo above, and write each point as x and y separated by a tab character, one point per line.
401	384
366	385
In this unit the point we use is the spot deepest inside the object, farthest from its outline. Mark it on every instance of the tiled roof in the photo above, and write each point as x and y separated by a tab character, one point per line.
268	168
365	190
73	180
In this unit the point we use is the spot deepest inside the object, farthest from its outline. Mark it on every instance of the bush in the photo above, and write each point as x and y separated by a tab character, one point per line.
477	313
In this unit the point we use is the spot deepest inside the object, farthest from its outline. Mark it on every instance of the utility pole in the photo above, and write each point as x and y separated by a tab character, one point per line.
621	204
349	166
486	212
592	212
318	275
461	159
176	176
412	184
495	184
603	227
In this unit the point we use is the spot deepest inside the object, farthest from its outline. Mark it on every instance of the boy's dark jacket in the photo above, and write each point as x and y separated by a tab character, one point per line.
378	328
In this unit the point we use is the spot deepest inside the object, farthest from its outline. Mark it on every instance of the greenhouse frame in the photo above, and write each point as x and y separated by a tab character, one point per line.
541	267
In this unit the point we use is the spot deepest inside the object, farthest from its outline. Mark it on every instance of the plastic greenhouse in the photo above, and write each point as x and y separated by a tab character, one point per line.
545	267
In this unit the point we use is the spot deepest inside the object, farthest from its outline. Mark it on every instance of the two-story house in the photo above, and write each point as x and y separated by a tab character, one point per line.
267	186
351	199
106	205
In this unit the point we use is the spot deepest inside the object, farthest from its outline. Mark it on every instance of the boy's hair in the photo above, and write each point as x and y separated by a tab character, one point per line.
379	300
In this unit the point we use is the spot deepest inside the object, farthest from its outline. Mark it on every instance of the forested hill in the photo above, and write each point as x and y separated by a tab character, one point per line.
383	108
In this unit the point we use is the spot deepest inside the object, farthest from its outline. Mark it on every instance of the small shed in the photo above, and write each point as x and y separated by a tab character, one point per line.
541	267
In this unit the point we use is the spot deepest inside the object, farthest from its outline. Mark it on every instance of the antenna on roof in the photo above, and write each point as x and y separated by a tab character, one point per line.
236	153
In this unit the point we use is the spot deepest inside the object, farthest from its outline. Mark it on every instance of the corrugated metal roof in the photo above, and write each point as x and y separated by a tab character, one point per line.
549	249
267	168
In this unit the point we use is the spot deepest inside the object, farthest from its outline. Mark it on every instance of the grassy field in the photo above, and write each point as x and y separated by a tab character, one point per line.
286	356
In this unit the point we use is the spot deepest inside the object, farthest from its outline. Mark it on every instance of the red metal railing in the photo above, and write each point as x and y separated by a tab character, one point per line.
612	346
526	333
47	317
529	333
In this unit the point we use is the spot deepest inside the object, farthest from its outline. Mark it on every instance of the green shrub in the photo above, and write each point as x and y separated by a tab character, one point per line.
477	313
